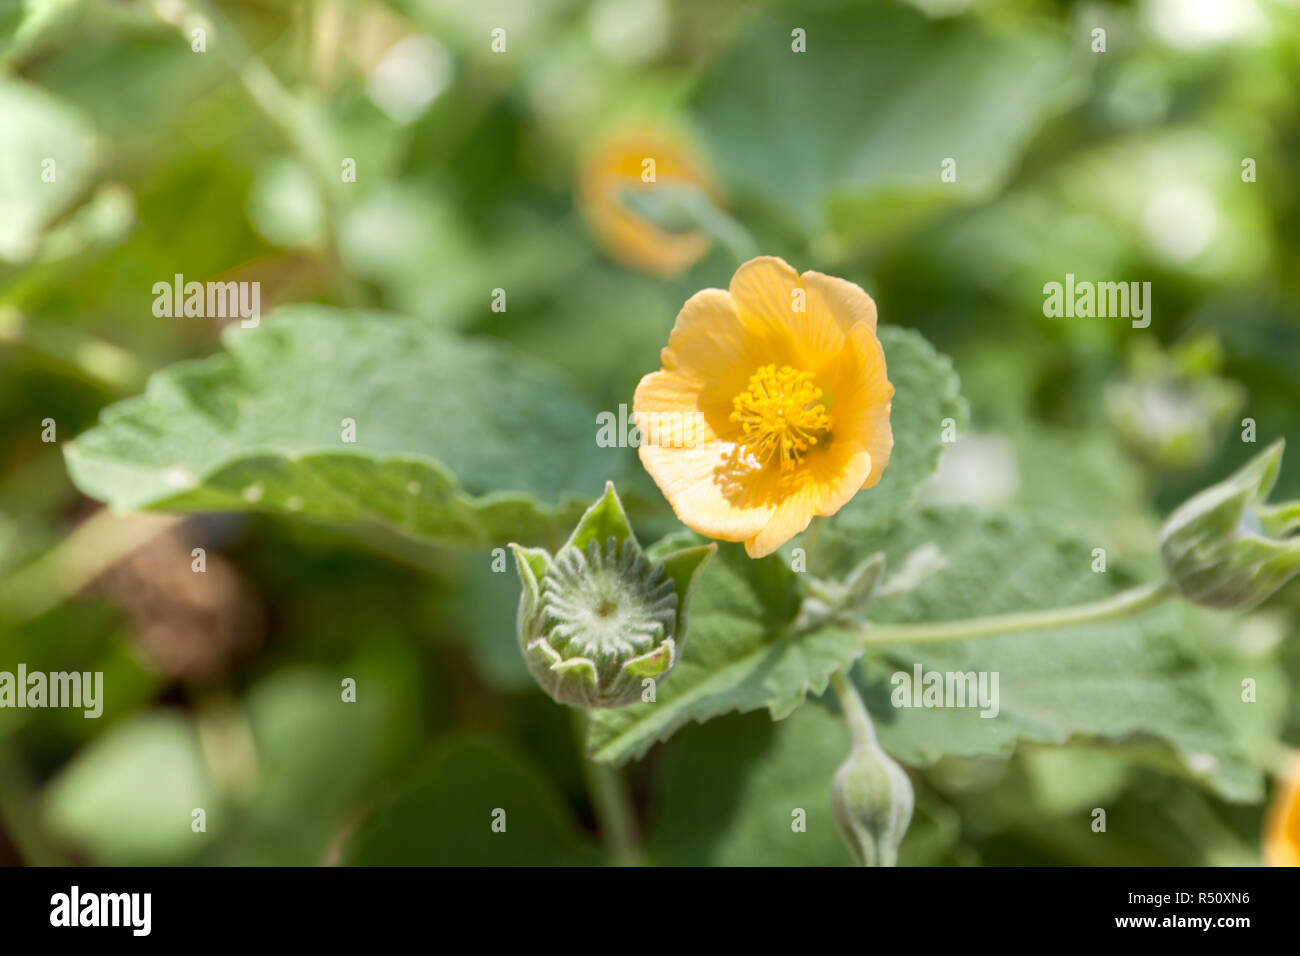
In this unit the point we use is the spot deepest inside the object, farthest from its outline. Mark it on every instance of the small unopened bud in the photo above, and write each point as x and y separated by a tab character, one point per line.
601	617
872	799
1225	548
871	795
1171	409
829	600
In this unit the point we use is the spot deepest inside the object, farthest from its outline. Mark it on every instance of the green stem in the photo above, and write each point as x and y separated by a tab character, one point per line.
20	809
727	232
672	207
301	130
1120	605
855	712
611	801
91	358
64	570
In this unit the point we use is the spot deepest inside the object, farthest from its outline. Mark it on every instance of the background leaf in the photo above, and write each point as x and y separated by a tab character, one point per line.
455	440
36	127
444	811
741	654
468	168
1149	680
729	791
870	165
128	797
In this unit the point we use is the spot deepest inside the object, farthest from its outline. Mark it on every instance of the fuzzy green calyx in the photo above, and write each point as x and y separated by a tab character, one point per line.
871	797
602	618
826	601
612	608
1225	548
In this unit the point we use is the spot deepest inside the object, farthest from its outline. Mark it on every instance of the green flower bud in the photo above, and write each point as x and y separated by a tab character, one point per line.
1171	410
825	601
1225	548
871	796
602	616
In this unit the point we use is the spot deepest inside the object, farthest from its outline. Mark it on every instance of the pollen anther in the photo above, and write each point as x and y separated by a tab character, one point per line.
781	415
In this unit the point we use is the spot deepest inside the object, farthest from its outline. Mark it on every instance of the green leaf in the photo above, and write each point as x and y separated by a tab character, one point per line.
128	796
289	777
285	205
603	520
1148	681
852	133
455	441
742	655
1041	813
318	755
684	568
729	792
531	564
48	152
1084	481
1072	780
926	392
480	606
445	812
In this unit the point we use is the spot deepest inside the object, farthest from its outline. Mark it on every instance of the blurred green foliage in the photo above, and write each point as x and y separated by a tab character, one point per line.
227	164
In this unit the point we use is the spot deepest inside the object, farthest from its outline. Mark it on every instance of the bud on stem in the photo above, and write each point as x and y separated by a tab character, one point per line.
871	794
1225	548
600	618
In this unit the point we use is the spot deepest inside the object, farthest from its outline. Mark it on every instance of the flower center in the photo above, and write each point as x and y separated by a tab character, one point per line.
781	414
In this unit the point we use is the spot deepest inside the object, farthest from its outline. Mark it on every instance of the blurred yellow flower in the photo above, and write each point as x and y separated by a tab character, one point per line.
785	382
640	160
1282	824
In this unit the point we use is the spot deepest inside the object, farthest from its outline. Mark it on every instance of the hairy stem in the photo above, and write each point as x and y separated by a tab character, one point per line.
20	810
88	357
301	129
1124	604
612	802
74	563
855	712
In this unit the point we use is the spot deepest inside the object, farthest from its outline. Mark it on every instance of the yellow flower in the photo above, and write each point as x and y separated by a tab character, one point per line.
1282	826
619	163
783	383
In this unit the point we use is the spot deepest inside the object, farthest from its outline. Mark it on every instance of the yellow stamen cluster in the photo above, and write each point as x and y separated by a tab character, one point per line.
781	414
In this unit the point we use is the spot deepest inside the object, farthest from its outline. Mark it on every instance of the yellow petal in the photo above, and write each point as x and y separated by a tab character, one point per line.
764	292
827	479
710	356
616	165
719	341
1282	824
669	401
864	403
846	301
695	482
790	518
763	288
